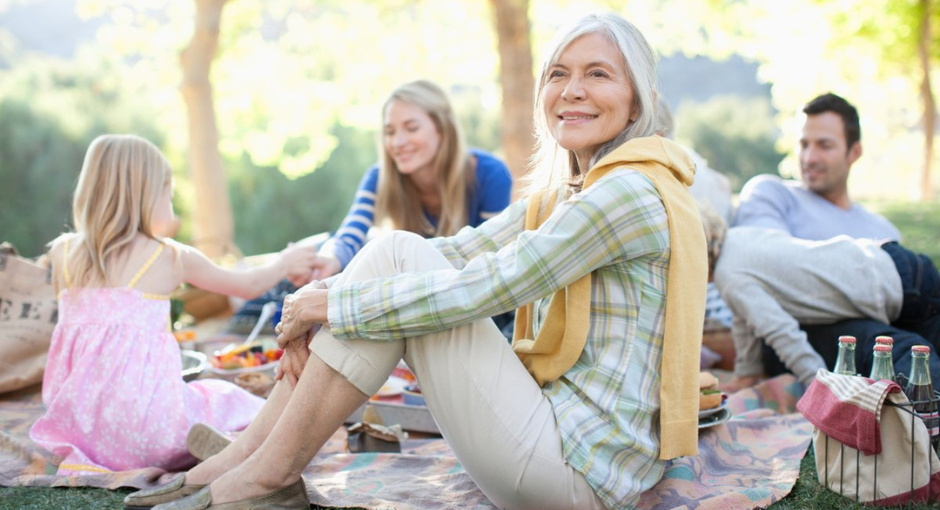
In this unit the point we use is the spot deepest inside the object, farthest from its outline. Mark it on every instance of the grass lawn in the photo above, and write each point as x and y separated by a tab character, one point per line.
919	225
808	493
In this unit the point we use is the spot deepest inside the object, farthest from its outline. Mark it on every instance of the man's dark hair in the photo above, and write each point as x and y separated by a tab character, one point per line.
835	104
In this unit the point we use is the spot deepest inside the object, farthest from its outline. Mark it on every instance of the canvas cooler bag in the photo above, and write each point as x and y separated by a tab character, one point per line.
868	447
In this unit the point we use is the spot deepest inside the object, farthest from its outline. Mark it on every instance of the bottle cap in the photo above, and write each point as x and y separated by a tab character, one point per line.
884	340
883	348
921	349
846	339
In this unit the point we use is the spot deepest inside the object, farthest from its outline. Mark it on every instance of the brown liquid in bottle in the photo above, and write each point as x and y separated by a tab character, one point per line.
920	389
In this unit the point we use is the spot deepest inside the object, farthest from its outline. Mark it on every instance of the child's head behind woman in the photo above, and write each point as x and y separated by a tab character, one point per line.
124	191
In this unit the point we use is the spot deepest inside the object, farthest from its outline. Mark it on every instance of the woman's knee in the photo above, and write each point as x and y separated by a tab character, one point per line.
390	244
401	251
390	240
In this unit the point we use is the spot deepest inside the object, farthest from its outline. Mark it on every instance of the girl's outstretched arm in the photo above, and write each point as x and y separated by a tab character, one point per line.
293	262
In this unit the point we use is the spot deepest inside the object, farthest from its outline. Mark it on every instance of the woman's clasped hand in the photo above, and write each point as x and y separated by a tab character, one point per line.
303	314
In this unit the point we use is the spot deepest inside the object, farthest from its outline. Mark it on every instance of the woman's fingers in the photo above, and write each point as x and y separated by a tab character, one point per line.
286	369
301	311
281	364
299	353
287	334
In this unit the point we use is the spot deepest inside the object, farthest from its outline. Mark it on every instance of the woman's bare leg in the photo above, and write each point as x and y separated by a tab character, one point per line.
247	442
318	405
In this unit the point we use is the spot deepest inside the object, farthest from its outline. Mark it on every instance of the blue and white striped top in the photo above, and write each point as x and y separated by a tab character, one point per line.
490	196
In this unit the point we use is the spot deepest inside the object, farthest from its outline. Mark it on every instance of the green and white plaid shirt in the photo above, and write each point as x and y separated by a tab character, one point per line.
607	404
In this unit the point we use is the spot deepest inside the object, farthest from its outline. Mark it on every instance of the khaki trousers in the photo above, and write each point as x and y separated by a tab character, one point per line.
489	409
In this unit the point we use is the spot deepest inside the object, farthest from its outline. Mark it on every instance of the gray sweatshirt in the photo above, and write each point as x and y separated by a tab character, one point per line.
774	282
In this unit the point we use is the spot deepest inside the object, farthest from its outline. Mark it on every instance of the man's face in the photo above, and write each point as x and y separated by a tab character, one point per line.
824	158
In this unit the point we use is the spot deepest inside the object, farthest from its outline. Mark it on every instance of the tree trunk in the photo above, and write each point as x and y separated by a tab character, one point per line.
212	226
515	69
930	106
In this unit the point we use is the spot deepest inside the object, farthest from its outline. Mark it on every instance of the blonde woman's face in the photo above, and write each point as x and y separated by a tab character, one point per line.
410	138
588	97
164	221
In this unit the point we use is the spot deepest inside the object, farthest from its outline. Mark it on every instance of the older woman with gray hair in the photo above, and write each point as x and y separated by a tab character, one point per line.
606	262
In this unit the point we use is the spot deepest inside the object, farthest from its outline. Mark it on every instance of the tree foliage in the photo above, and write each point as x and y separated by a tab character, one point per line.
903	36
272	210
298	87
287	72
861	49
736	136
51	111
888	28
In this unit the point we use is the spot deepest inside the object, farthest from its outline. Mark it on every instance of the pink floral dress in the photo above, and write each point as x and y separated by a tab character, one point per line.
113	389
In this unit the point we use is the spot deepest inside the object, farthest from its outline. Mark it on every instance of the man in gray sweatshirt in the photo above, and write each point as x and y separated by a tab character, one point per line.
818	207
774	282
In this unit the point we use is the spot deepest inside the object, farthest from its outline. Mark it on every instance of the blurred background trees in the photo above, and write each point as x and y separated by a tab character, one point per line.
297	89
736	135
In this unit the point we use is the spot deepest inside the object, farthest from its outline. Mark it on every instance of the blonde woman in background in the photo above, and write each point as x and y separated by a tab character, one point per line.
427	182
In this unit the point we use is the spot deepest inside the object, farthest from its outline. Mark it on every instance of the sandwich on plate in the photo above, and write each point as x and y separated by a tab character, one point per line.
709	396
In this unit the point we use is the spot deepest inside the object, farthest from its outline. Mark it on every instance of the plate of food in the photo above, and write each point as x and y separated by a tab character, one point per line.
392	387
239	358
711	400
721	416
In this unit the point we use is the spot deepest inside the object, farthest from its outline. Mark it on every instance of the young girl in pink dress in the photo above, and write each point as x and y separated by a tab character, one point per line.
113	390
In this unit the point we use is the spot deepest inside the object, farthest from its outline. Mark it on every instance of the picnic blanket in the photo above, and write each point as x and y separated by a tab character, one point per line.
749	462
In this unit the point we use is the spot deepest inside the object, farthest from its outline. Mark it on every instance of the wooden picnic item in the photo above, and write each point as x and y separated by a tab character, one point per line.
28	314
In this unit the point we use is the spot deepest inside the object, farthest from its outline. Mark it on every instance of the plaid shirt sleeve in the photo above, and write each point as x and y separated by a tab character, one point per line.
489	236
608	222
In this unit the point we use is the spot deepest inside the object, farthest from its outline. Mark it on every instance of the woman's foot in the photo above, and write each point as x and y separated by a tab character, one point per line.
209	470
243	484
143	499
293	496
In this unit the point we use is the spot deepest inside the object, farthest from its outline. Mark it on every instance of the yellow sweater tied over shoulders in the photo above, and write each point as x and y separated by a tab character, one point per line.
564	332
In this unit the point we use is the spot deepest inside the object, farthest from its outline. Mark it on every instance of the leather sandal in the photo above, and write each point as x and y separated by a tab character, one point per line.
205	441
292	497
147	498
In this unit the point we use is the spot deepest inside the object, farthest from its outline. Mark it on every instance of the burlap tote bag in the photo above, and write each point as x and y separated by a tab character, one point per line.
28	313
867	447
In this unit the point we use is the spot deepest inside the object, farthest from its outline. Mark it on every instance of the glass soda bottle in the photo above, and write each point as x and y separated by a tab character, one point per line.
882	366
845	361
920	389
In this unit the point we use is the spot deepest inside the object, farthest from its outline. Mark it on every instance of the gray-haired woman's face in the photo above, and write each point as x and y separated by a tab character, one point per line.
588	95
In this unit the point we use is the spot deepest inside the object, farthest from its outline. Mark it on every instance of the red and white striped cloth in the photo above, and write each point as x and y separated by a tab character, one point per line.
849	408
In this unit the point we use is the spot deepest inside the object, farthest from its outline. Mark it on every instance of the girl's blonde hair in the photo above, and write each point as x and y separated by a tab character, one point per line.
397	204
553	168
122	180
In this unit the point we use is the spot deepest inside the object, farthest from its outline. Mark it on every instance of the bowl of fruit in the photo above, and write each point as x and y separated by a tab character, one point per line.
235	359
